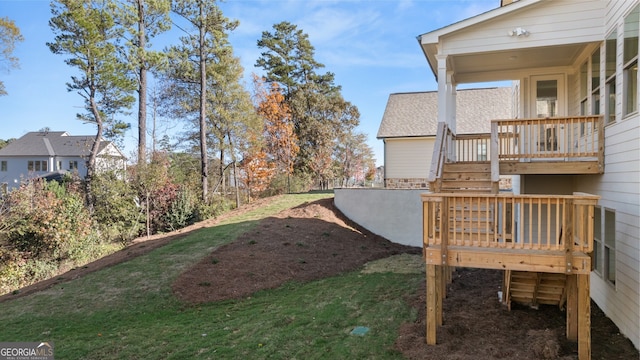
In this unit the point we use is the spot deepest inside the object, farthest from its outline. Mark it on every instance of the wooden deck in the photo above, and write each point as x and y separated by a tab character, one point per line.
534	233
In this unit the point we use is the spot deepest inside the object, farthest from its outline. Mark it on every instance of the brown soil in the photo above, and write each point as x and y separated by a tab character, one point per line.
314	241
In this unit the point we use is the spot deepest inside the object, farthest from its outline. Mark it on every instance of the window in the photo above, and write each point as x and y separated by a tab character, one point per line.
36	165
3	165
73	165
597	240
630	61
610	77
584	93
595	82
59	165
584	88
482	151
604	244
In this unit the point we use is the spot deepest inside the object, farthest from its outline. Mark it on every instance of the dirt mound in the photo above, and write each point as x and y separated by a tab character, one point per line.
305	243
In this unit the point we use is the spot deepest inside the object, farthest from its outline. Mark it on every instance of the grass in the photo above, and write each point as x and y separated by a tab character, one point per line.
128	310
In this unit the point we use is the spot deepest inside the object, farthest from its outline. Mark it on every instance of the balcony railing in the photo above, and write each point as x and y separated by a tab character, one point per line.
508	221
566	139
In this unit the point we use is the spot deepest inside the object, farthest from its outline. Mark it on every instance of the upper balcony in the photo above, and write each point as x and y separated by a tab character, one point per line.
562	145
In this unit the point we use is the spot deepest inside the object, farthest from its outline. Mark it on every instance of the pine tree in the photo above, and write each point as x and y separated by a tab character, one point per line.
142	20
189	62
85	31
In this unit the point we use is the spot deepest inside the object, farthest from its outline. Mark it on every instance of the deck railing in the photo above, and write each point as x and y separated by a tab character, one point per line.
508	221
472	147
441	154
571	138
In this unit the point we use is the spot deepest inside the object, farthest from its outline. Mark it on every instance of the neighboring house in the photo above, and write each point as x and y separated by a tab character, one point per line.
409	125
39	154
575	62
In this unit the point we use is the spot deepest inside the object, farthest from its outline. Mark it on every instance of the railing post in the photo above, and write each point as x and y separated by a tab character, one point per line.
444	229
601	144
568	234
438	157
495	164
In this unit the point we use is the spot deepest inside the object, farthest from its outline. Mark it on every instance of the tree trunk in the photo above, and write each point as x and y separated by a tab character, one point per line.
235	182
91	163
203	111
142	88
221	170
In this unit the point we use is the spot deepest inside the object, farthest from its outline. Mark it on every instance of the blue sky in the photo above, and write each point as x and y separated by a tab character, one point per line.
370	45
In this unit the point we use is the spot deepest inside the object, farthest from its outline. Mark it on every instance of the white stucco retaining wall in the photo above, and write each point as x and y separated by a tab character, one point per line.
395	214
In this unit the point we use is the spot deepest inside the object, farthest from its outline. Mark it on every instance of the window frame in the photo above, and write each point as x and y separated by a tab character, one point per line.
4	166
610	108
594	77
604	244
629	66
482	151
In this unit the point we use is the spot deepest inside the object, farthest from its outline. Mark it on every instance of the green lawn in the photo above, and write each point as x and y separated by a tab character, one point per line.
128	311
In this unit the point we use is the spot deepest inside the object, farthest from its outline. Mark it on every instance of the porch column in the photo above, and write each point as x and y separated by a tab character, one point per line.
446	94
452	95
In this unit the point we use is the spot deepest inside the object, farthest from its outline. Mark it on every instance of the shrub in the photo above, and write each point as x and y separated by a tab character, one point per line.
44	220
182	211
118	216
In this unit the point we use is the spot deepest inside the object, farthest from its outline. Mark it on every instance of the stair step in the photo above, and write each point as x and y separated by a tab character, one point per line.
537	288
466	176
467	167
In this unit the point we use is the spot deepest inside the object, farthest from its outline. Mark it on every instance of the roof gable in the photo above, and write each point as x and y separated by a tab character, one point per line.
53	143
416	114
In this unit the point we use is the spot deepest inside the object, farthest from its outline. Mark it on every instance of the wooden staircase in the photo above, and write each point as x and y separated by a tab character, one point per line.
534	288
467	177
523	287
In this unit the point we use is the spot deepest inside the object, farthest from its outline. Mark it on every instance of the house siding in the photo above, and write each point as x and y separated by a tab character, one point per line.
407	161
568	18
619	188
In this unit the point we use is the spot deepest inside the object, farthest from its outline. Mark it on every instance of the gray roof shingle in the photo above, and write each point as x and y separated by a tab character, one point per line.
416	114
50	143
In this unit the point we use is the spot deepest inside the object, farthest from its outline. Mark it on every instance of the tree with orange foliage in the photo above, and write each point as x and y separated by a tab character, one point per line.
258	171
280	141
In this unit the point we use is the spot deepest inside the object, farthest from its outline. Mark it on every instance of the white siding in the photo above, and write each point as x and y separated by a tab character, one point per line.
619	187
572	22
408	157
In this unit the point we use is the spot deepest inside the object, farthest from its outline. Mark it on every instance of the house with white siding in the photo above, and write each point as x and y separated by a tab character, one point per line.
410	121
42	153
573	138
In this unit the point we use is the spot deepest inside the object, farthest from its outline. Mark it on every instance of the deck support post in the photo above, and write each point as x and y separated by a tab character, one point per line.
571	288
439	292
432	307
579	313
584	317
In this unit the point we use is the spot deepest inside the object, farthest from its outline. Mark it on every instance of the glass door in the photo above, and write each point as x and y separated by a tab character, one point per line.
547	101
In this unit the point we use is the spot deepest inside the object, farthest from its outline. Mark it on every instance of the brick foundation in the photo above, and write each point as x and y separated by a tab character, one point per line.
409	183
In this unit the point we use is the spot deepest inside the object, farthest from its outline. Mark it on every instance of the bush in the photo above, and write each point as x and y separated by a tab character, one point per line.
118	216
44	220
182	211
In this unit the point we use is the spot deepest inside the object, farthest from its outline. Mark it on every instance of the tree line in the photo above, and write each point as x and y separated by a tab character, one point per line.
109	43
290	130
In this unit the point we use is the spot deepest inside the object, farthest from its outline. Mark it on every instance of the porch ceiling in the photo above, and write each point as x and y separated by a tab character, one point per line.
507	64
